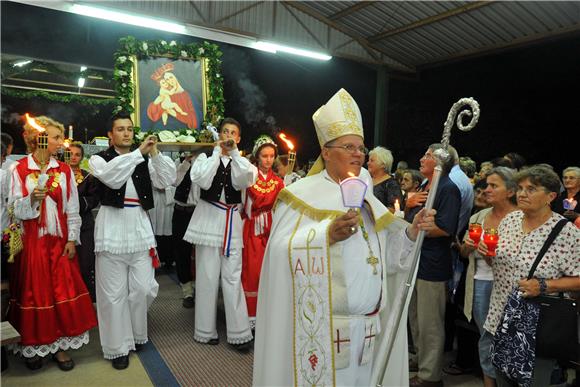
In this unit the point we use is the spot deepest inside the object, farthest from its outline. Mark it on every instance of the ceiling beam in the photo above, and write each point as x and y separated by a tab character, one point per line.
429	20
347	11
312	35
369	48
192	3
223	19
514	44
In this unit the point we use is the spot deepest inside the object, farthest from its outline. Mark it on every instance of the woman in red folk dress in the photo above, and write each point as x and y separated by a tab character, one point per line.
49	304
257	214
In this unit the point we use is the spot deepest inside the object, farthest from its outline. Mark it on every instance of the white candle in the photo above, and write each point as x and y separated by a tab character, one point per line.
70	131
397	206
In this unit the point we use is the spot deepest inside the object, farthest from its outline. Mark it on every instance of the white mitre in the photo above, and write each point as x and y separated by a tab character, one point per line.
340	116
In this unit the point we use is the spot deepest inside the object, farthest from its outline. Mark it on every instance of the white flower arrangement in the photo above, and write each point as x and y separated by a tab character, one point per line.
145	46
163	43
201	51
183	53
140	135
122	73
122	59
172	43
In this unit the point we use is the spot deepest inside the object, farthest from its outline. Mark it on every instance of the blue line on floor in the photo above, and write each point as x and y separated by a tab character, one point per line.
156	368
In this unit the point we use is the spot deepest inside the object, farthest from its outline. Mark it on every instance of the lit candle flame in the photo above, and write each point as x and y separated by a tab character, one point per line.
288	142
32	122
66	143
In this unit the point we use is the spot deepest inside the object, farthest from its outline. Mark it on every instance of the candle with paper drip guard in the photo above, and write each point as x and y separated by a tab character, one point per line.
353	190
70	132
398	211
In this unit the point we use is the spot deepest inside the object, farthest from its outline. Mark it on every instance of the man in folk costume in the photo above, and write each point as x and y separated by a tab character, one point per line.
328	272
124	240
257	214
186	197
216	230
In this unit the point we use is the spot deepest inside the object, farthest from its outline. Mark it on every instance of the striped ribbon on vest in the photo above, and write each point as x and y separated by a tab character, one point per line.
229	209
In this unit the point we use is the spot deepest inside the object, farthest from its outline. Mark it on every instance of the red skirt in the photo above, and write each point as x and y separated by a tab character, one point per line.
252	257
49	299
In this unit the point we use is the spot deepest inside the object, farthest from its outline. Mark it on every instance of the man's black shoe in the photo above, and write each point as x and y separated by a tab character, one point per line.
121	363
188	302
139	347
244	347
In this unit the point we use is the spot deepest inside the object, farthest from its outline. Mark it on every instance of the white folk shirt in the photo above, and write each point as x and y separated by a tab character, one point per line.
208	222
127	230
24	210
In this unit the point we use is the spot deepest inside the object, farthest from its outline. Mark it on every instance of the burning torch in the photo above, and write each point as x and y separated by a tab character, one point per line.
42	144
291	153
67	151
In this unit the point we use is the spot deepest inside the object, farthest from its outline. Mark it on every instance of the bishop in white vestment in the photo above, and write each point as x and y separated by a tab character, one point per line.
328	272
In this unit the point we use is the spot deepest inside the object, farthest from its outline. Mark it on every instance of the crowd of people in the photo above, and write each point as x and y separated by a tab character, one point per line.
312	278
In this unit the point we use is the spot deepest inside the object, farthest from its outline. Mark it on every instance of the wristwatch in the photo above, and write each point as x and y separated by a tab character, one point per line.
543	285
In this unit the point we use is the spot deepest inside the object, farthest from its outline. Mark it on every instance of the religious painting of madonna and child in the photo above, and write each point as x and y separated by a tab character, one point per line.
170	94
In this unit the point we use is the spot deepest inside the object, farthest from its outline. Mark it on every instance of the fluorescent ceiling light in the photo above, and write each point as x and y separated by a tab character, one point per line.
127	18
274	48
81	82
22	63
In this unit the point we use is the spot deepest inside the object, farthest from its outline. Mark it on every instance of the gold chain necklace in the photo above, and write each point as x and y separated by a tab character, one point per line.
372	259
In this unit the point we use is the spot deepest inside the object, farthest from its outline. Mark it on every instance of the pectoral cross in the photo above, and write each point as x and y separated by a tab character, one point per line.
373	261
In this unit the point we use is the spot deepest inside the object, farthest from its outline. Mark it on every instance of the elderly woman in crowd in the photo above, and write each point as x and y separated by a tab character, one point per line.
567	203
49	305
522	234
500	193
385	187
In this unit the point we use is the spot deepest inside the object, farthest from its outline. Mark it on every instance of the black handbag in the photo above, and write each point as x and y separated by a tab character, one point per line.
557	331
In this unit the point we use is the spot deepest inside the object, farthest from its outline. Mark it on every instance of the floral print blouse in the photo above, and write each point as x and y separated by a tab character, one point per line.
517	251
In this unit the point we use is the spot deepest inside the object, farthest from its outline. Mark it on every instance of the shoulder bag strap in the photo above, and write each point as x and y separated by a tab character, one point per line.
553	234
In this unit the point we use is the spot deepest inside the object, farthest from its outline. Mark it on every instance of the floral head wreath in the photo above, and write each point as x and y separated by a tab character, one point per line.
262	141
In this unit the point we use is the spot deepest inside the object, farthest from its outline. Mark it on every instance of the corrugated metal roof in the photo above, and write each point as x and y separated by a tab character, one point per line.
403	35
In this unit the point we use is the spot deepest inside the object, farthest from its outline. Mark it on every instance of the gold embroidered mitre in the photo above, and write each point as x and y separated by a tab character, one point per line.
339	117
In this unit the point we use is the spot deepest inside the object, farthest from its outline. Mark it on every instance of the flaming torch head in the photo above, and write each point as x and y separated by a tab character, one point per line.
42	141
291	153
67	151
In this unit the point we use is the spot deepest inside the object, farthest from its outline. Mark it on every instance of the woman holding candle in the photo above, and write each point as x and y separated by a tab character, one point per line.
258	203
49	305
385	187
501	195
522	234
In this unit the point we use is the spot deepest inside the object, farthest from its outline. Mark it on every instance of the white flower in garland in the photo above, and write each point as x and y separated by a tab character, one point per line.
173	43
123	85
163	43
122	59
118	109
201	51
145	46
122	73
218	75
183	53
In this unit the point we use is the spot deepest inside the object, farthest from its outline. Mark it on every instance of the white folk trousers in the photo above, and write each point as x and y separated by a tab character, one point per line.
209	264
125	288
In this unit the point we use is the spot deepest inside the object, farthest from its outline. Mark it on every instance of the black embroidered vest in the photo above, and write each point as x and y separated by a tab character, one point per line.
141	181
182	190
222	180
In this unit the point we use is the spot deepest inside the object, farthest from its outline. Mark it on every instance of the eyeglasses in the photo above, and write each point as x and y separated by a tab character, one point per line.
350	148
529	190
